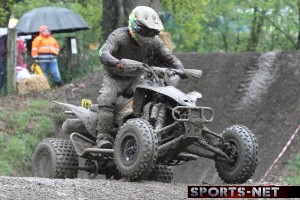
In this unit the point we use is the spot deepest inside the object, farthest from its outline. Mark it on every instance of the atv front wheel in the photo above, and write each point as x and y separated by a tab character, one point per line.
241	146
162	173
55	158
135	149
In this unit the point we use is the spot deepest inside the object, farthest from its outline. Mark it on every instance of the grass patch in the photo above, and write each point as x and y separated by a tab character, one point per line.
30	125
294	166
1	114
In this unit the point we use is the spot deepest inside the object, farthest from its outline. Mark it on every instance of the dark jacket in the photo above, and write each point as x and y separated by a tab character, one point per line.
120	44
3	47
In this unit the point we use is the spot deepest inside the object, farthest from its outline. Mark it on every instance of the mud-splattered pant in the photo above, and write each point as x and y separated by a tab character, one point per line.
111	89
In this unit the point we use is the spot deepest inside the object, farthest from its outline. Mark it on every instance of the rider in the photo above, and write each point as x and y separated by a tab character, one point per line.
140	42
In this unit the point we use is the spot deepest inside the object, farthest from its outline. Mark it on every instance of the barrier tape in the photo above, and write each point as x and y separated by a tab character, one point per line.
281	153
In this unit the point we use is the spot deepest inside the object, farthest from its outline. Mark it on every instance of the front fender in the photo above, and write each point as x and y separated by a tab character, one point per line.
144	94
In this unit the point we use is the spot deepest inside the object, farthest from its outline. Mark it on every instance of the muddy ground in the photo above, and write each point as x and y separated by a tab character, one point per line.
258	90
85	189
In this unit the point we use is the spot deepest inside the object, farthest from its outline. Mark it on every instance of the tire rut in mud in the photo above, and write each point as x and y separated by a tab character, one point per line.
257	80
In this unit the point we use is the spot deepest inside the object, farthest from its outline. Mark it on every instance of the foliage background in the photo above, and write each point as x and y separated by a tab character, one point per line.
202	25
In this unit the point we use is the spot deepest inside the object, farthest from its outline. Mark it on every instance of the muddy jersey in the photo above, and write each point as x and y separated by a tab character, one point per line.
120	44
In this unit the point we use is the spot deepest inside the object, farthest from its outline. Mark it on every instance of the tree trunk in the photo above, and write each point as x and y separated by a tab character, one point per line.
124	8
110	17
256	27
151	3
11	60
224	41
298	39
116	13
237	41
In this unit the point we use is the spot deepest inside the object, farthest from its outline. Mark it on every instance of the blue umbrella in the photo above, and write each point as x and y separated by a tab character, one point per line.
58	19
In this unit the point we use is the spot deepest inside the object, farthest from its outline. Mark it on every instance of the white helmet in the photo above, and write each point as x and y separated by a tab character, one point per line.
144	23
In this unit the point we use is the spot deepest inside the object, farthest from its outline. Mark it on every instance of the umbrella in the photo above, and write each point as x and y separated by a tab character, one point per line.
58	19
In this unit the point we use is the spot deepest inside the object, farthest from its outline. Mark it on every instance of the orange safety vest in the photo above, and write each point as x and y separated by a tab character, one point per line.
45	49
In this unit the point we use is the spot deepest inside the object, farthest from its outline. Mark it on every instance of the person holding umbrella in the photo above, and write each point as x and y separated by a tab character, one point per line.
44	51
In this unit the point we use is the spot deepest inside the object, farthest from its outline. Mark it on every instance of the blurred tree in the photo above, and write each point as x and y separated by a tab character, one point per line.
220	27
203	25
251	25
256	27
85	8
116	12
283	24
110	17
6	7
275	24
186	16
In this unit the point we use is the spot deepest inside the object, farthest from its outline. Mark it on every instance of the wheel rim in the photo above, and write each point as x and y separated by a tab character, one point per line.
232	150
129	150
43	164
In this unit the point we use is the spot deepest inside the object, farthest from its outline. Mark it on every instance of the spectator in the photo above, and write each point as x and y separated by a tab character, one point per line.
44	51
3	52
21	50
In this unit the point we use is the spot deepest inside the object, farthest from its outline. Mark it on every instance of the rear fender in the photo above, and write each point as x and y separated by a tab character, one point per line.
86	116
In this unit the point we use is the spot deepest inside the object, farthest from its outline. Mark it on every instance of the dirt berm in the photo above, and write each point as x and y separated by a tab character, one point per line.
258	90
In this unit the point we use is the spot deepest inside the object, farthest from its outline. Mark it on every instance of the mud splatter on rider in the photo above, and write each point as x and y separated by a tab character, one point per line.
140	42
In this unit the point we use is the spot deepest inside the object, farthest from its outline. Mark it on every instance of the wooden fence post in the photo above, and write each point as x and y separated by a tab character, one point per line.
11	60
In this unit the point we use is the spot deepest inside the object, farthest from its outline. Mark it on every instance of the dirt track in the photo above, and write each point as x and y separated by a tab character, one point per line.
260	91
84	189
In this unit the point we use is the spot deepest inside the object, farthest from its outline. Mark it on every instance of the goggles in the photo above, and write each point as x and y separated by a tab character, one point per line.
146	32
143	31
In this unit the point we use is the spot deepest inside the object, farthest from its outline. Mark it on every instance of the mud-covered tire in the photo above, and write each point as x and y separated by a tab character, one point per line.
162	173
135	149
55	158
243	141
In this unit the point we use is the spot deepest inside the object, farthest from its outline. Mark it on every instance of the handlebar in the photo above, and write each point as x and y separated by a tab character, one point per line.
131	66
190	73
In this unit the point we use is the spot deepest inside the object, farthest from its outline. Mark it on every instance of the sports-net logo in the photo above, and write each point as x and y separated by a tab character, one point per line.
243	191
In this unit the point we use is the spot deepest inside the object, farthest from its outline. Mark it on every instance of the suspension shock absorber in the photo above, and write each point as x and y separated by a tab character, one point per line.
160	121
154	114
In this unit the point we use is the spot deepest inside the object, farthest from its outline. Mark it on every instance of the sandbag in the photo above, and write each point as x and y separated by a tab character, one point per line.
37	83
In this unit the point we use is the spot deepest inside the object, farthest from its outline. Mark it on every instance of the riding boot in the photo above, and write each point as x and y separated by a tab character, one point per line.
104	126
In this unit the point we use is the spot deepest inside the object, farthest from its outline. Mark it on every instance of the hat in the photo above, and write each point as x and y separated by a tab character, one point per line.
43	27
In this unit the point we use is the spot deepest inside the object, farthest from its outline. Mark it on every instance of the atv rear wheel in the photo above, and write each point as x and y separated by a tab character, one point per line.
55	158
242	147
135	149
162	173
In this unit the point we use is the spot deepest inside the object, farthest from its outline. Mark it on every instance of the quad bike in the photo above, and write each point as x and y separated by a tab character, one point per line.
157	128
